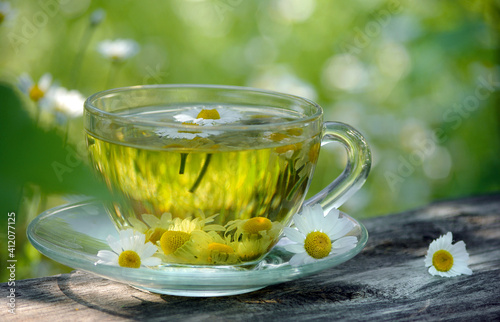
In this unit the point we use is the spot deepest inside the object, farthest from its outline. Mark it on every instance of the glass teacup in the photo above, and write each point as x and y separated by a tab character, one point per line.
212	174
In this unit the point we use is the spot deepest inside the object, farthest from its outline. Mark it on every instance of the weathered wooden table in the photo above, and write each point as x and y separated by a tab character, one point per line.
387	281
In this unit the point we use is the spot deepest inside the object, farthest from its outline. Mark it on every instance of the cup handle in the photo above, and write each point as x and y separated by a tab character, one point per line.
356	171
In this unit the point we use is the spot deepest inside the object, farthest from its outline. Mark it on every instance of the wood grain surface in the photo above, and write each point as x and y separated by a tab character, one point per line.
386	281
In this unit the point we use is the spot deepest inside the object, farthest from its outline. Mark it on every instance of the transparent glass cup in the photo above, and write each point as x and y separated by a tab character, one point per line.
212	174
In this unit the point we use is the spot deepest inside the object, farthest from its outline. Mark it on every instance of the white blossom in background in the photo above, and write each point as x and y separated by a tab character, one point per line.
280	79
294	10
118	50
7	14
66	102
37	92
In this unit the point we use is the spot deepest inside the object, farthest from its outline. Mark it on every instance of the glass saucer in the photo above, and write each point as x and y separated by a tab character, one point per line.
73	234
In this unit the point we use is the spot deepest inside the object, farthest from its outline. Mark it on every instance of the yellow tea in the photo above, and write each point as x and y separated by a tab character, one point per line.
207	199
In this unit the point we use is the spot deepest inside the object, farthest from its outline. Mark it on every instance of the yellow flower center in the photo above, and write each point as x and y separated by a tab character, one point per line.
171	240
209	114
318	244
442	260
221	248
154	235
129	258
36	93
256	224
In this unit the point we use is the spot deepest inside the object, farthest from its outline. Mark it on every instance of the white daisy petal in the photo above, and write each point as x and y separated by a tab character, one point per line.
294	235
114	244
342	227
149	250
298	259
151	261
344	244
295	248
301	223
107	257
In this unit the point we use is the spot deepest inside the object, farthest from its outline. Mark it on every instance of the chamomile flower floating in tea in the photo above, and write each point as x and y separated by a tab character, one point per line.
190	135
317	236
446	259
209	116
129	251
118	50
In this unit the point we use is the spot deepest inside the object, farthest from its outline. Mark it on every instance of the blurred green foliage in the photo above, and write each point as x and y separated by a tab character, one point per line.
418	78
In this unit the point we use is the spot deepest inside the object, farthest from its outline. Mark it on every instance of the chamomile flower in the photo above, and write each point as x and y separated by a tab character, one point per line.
66	102
445	259
208	116
152	226
37	92
253	227
173	133
179	232
118	50
129	251
6	12
205	248
317	236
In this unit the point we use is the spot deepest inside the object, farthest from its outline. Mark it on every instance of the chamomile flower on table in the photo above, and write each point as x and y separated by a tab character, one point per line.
118	50
446	259
130	250
36	91
317	237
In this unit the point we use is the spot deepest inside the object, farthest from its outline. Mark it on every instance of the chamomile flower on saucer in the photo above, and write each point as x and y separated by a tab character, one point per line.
118	50
129	251
317	237
446	259
209	116
152	226
37	92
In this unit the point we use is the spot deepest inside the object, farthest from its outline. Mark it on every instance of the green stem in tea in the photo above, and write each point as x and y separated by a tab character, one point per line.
202	173
295	187
183	162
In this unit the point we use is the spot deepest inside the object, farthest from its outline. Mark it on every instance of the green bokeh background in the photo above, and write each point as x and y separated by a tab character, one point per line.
418	78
